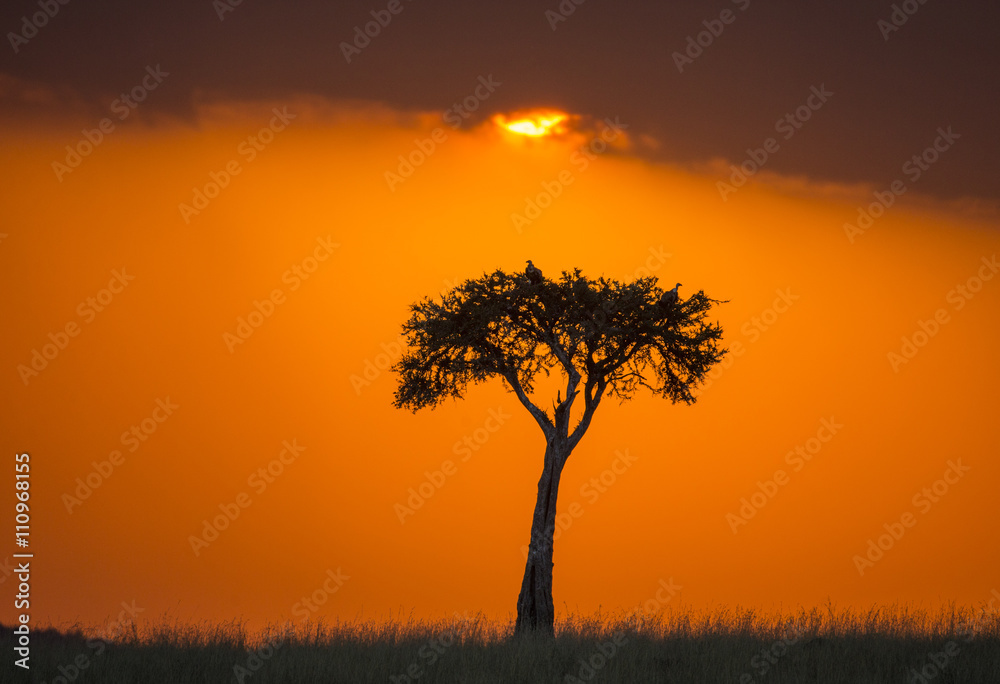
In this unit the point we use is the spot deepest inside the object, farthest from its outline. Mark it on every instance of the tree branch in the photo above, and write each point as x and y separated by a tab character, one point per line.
592	398
567	406
538	414
616	335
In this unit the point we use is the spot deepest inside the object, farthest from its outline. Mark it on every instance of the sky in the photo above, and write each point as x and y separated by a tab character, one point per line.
215	218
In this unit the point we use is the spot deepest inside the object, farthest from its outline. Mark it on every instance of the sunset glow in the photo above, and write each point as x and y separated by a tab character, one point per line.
212	242
536	125
247	381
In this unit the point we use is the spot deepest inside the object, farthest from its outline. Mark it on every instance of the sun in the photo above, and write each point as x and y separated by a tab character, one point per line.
534	124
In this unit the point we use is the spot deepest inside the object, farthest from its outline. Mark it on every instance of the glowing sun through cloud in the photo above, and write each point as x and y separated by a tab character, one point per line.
535	125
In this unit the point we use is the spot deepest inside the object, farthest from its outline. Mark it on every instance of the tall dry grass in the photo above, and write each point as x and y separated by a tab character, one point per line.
744	646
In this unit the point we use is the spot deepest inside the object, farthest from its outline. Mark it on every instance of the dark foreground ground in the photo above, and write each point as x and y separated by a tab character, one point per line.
741	647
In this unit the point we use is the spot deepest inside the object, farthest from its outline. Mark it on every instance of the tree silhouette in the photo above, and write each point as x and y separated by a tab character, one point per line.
605	337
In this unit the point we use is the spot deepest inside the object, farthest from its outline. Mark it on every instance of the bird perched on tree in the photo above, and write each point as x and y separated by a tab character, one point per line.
669	298
534	274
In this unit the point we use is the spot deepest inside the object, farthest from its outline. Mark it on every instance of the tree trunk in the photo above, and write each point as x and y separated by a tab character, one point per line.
535	611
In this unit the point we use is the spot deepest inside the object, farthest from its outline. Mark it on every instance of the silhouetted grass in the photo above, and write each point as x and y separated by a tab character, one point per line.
725	645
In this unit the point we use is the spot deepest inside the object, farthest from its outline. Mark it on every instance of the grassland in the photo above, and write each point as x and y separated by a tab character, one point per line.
891	644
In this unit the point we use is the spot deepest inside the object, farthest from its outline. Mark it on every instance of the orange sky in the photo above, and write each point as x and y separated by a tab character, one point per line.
811	320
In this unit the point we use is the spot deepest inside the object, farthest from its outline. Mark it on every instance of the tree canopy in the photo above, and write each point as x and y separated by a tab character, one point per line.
608	338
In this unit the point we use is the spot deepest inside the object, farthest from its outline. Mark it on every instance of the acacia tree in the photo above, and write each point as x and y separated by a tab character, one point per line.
605	338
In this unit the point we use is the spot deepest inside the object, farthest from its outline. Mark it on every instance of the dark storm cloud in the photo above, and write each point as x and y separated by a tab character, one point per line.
708	80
